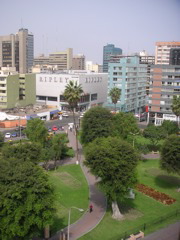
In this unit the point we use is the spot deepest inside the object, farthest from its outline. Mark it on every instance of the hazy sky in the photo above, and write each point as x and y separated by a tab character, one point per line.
86	26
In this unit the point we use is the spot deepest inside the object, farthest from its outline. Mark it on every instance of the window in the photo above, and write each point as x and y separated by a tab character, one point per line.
52	99
114	79
93	96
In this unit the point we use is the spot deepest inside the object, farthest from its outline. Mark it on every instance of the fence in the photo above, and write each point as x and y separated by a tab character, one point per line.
147	225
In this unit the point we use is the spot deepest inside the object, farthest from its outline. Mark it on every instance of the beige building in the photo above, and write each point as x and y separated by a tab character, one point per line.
17	50
162	52
16	89
78	62
94	67
63	60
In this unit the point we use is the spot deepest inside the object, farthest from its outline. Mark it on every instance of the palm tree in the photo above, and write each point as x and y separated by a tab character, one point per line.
72	95
115	94
176	106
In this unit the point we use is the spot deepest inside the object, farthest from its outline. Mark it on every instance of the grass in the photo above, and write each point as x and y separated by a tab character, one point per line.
71	189
143	209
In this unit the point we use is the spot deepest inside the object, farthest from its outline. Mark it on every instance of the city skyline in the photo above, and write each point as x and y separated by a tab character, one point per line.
88	26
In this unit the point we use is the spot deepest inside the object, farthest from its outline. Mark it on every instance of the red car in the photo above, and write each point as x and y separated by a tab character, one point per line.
54	128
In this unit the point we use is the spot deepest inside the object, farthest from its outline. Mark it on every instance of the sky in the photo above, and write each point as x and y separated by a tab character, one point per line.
86	26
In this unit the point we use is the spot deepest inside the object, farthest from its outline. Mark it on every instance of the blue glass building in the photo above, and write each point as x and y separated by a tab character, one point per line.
108	51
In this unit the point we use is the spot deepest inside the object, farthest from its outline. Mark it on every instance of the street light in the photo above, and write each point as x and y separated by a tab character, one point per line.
69	218
134	134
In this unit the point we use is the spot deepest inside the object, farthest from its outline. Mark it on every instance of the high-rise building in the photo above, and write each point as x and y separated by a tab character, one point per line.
162	52
78	62
174	56
164	84
63	60
131	78
108	51
17	50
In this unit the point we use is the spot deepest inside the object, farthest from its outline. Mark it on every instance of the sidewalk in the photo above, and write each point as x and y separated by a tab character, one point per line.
89	220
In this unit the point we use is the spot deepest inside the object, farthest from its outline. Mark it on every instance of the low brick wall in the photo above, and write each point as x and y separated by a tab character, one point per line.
13	123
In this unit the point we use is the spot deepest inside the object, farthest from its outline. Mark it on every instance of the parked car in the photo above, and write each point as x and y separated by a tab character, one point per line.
54	128
14	134
49	129
7	135
65	115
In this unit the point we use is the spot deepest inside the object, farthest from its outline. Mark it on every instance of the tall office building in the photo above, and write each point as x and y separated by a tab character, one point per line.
17	50
63	60
108	51
131	78
162	52
164	84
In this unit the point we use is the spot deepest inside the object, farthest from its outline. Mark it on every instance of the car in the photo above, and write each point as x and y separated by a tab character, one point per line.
54	128
7	135
49	129
14	134
65	115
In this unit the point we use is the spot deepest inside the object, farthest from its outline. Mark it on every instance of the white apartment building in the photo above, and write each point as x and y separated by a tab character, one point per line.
94	67
162	52
50	88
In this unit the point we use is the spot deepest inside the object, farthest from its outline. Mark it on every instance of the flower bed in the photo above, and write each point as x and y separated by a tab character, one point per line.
161	197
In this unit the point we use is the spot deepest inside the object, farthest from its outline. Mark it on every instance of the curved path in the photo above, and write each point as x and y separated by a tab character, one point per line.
89	220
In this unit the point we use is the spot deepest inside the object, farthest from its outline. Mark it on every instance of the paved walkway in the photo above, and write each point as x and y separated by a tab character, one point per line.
89	220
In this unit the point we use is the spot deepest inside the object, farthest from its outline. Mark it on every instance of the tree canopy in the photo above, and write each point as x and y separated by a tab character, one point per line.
124	124
170	127
170	154
114	161
176	105
97	122
36	131
26	200
115	94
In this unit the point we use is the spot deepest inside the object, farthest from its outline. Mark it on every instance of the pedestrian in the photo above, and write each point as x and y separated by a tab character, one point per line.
90	208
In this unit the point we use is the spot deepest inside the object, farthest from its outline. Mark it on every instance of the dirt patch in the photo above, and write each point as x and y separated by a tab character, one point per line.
130	213
68	179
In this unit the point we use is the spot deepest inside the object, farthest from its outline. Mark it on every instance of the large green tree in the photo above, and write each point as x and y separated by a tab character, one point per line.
170	154
115	94
1	139
36	131
124	124
170	127
26	152
114	161
97	122
72	95
26	200
176	106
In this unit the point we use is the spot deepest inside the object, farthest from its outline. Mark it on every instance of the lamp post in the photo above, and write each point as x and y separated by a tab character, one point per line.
69	218
134	134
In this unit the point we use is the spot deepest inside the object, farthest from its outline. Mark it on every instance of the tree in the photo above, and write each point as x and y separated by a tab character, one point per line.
124	124
72	95
176	106
36	131
1	139
114	161
115	94
170	154
26	200
25	152
96	122
154	134
170	127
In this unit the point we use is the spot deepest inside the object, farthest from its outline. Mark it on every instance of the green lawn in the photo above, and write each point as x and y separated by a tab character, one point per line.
71	189
143	209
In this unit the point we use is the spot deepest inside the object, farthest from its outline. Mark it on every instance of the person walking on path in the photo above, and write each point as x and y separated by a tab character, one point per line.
90	208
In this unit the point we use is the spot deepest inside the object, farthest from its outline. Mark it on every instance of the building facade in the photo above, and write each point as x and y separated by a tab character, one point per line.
90	66
162	51
17	50
108	51
78	62
131	78
62	60
164	84
16	89
50	88
174	56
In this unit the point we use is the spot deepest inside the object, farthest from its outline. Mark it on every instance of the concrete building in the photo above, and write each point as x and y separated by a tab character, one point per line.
41	60
16	90
164	84
94	67
17	50
50	88
131	77
63	60
174	56
78	62
108	51
162	52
